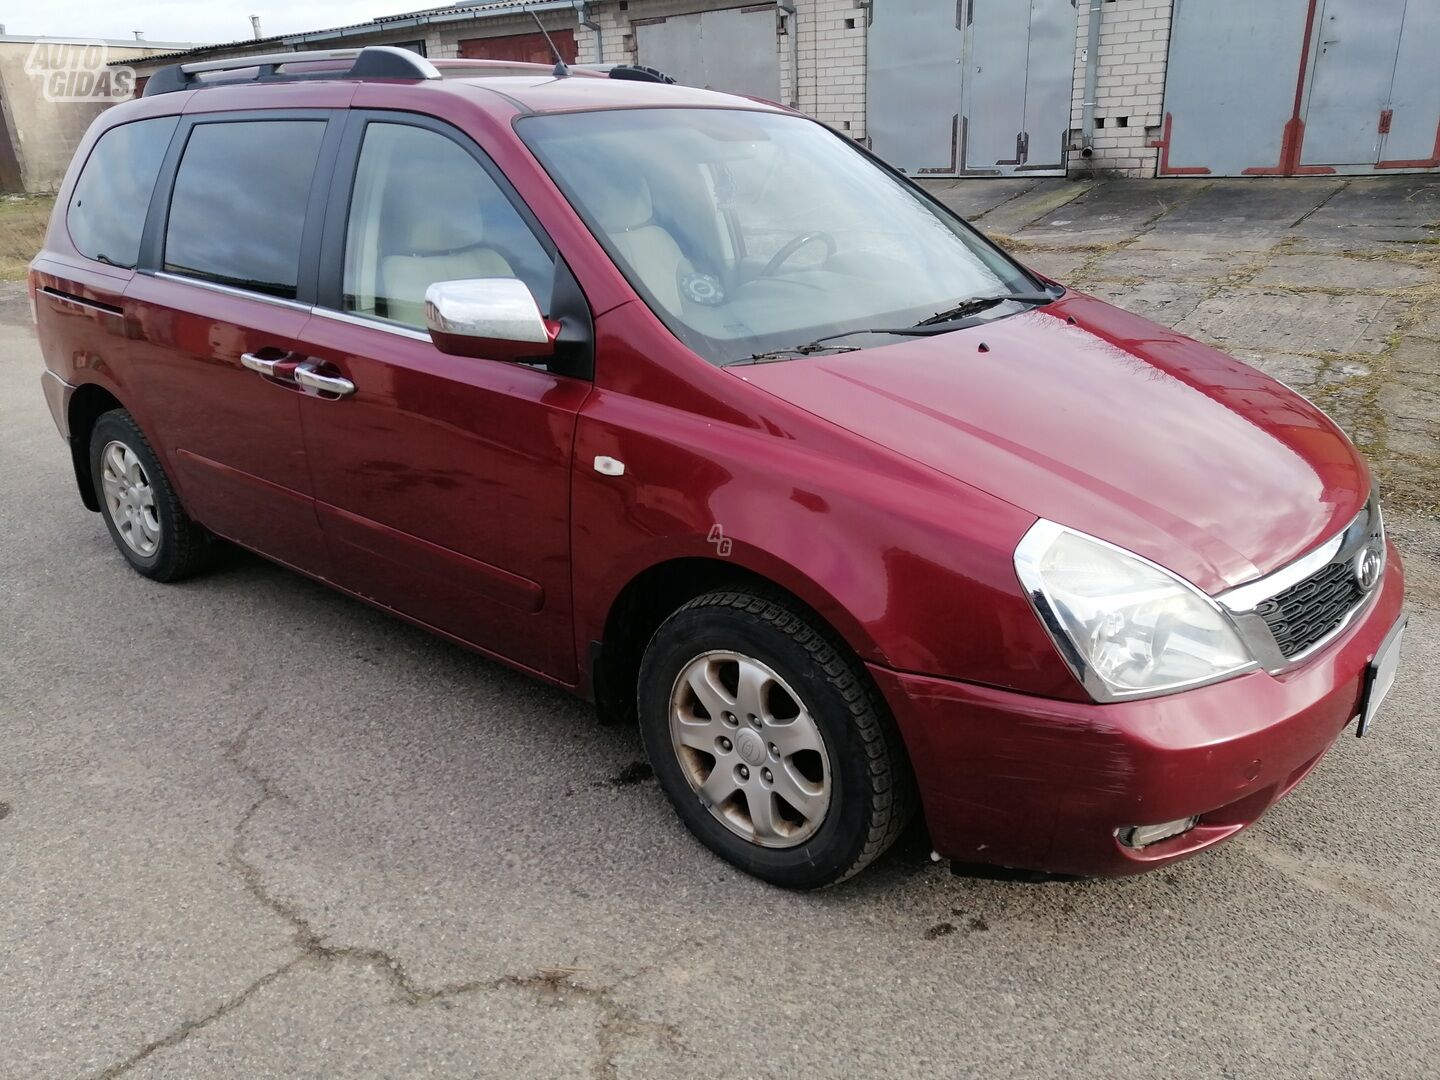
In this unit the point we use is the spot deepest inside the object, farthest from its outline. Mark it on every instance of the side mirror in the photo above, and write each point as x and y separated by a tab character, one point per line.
489	318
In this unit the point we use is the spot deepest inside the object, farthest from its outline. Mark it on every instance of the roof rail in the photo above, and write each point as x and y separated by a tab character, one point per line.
371	62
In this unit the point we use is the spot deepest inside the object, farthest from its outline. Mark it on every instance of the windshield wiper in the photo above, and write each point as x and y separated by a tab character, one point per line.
939	323
977	304
815	346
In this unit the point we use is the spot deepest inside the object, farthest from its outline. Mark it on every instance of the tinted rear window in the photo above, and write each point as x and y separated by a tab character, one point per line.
107	208
238	208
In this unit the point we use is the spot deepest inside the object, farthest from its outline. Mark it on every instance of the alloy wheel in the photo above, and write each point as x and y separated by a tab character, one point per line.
129	499
750	749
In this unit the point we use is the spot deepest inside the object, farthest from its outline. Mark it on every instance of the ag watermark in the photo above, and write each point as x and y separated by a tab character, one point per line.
76	71
722	542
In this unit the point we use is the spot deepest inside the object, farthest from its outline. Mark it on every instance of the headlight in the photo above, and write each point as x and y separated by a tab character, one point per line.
1127	627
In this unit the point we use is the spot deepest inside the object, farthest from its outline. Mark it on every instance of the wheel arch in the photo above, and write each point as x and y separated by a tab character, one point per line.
88	403
651	596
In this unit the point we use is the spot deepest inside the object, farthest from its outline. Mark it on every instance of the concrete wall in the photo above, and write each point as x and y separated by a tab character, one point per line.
41	135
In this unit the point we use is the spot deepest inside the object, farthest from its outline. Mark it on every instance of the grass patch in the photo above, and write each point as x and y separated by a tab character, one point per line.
22	230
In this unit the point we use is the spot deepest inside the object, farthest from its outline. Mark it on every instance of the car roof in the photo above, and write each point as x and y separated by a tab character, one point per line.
545	92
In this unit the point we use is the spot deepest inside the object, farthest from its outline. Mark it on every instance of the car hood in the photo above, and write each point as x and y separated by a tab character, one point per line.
1100	420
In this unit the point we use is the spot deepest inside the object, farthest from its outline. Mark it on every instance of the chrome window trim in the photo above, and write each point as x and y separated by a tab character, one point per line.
295	305
228	290
1028	553
372	323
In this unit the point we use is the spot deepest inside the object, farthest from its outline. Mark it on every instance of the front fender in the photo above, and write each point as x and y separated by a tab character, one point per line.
913	569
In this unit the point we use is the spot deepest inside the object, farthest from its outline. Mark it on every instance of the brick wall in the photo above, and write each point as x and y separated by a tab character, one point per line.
832	63
1130	84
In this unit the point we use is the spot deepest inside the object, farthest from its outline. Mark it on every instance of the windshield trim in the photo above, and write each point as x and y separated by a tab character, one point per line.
685	334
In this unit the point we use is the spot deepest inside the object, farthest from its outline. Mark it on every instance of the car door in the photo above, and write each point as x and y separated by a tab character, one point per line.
442	482
216	314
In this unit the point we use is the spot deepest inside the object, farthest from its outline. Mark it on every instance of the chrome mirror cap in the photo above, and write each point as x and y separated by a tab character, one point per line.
496	309
490	319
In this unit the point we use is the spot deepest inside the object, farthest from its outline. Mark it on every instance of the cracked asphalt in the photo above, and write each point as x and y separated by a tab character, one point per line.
251	828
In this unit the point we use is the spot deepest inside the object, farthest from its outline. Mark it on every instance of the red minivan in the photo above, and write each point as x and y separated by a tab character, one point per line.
689	405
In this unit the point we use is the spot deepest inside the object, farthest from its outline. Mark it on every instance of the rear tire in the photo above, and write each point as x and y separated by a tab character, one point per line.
794	771
141	510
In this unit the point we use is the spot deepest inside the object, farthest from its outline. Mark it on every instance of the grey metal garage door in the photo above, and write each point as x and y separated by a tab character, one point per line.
979	87
1357	71
1302	86
734	49
1230	84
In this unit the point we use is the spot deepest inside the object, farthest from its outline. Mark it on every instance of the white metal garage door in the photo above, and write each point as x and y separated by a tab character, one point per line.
735	49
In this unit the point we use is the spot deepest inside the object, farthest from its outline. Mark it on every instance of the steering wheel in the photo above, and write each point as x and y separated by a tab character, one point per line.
781	257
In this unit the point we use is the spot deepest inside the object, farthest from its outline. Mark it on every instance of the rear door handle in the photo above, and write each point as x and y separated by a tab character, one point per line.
308	376
263	365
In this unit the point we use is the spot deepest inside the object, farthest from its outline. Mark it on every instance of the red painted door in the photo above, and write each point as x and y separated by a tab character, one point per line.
228	288
442	482
525	48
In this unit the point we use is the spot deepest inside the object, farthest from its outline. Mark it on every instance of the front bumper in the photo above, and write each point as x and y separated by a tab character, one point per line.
1040	784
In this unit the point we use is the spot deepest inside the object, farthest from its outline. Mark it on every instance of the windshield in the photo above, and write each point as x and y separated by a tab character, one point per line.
753	231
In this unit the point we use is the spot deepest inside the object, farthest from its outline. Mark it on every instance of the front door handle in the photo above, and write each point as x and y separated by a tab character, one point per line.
308	376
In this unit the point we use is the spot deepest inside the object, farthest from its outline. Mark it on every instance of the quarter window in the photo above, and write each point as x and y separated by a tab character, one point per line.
107	209
238	209
424	210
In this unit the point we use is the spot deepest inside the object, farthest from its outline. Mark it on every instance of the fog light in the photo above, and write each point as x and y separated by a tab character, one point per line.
1138	836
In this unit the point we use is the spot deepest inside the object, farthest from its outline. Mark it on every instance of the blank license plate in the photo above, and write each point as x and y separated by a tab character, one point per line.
1380	676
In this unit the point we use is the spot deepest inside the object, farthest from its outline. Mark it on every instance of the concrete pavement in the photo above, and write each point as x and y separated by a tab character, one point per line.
251	828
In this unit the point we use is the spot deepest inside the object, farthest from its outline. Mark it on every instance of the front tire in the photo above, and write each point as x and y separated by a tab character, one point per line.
141	510
771	741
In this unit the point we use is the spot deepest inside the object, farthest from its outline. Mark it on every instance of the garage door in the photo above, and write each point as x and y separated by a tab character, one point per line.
526	48
1301	86
975	88
1374	66
735	49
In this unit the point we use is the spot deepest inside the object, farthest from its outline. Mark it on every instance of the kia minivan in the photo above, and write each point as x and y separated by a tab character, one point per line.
687	404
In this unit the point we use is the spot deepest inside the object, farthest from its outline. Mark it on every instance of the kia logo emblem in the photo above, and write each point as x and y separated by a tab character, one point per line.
1367	568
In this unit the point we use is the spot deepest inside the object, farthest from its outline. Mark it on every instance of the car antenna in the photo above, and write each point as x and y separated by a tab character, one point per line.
562	70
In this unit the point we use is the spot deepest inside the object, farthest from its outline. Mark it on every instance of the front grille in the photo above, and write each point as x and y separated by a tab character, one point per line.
1305	613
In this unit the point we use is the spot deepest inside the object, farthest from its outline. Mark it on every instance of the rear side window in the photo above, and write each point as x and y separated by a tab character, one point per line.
107	209
238	208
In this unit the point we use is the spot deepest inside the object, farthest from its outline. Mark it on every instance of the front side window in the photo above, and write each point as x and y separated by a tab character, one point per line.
238	209
107	209
748	231
424	210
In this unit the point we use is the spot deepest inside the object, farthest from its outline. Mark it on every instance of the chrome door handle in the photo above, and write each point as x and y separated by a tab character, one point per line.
307	376
259	363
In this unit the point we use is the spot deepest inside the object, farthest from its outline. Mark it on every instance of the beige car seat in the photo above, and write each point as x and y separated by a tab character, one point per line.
623	207
440	239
